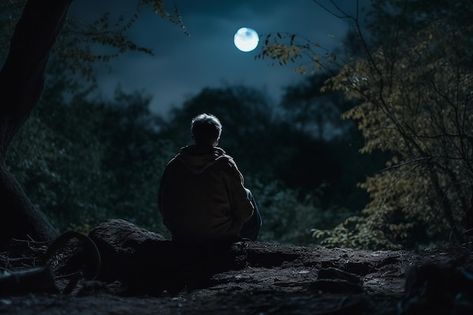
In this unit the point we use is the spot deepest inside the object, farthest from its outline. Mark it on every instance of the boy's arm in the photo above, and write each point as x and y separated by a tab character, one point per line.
242	209
161	205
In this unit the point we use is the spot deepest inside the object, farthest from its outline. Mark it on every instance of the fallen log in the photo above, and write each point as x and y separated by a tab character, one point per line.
148	263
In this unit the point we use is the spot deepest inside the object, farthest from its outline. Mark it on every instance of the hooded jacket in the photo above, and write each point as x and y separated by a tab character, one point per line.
202	196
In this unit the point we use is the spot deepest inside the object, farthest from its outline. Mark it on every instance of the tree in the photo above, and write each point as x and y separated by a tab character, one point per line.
313	110
21	83
414	93
412	88
22	79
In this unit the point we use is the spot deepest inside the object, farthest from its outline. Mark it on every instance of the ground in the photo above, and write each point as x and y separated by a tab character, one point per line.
277	279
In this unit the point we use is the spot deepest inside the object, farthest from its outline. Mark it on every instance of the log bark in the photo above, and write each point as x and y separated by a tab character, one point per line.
147	263
21	84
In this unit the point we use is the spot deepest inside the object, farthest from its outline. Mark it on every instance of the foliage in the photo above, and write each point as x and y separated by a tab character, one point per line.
60	155
287	217
314	111
412	90
285	48
81	45
94	160
415	101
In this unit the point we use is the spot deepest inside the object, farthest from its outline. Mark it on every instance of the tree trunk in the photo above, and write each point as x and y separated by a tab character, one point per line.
444	203
21	84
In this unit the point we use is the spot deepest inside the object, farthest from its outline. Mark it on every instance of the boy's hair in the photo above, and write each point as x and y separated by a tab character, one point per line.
206	129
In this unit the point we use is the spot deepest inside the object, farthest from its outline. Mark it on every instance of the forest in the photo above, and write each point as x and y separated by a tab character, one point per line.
370	149
328	164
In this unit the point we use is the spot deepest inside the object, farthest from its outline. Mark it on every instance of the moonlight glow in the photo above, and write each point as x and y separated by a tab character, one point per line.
246	39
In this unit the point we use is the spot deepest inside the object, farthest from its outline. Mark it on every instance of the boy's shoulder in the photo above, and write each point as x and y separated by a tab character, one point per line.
226	158
217	156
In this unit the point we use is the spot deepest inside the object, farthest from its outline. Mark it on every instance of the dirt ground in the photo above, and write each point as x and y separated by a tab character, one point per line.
278	279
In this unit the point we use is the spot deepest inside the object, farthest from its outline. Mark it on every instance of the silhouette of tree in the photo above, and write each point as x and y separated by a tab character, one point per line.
23	76
21	83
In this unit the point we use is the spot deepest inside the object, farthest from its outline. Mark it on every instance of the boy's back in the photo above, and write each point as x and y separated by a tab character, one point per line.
202	196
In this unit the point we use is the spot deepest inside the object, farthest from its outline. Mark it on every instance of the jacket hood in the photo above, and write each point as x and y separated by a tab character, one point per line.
199	159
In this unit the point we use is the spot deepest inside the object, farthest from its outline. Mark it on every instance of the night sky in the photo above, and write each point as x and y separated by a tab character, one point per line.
183	65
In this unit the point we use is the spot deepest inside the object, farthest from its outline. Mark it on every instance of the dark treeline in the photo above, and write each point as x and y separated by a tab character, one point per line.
83	159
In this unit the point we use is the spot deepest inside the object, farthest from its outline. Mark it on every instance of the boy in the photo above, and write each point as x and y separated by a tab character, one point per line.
202	195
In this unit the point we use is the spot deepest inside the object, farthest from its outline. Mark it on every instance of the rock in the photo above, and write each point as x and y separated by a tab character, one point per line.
391	260
336	286
352	305
437	289
359	268
285	289
335	273
265	255
32	280
93	287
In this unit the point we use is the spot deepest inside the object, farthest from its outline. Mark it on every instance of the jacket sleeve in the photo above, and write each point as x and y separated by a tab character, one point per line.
242	209
161	196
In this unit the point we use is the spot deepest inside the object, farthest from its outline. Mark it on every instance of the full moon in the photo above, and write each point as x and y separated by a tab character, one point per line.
246	39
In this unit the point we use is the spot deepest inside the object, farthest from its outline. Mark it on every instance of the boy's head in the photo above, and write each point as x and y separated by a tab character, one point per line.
206	130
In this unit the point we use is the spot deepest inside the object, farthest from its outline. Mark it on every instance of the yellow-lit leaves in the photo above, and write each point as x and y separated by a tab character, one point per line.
159	8
285	48
416	103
